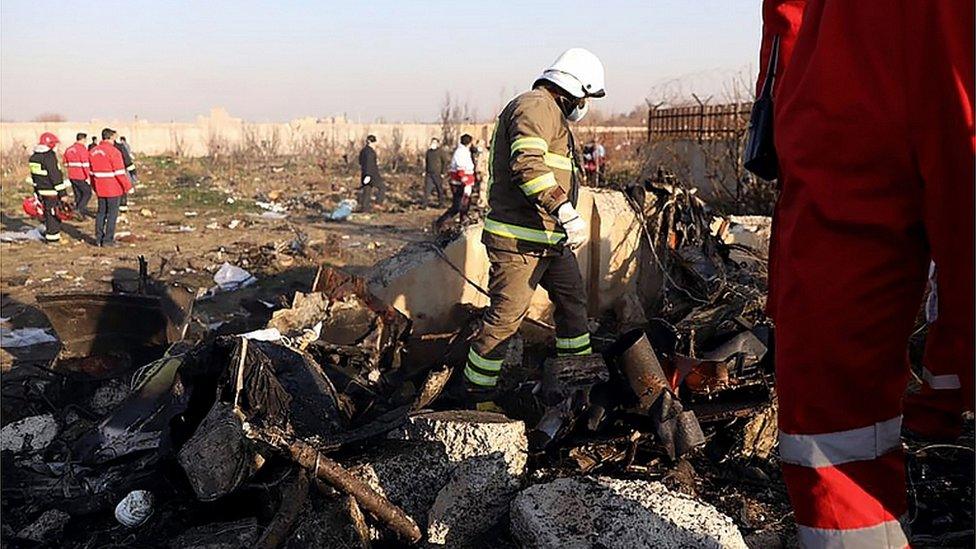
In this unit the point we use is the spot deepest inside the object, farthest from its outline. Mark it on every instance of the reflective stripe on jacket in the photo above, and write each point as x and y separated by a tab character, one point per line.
531	174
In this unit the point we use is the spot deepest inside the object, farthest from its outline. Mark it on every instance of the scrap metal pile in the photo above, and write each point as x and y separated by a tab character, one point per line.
332	426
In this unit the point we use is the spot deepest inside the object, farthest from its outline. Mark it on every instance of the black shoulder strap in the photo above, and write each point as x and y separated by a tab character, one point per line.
767	88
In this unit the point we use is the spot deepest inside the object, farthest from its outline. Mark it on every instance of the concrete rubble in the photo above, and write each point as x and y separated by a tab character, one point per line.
47	528
33	434
614	513
488	452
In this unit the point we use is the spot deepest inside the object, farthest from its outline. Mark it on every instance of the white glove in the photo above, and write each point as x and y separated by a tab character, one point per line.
573	224
366	180
467	190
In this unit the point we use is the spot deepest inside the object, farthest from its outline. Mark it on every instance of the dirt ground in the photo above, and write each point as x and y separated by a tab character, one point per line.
188	216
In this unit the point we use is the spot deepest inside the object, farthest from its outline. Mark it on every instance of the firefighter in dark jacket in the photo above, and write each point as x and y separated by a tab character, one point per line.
49	185
369	176
532	224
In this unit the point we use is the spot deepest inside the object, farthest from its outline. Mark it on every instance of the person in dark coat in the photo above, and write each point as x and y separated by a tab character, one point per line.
370	180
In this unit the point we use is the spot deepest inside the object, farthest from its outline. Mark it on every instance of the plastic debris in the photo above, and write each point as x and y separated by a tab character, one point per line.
231	277
343	210
25	337
27	235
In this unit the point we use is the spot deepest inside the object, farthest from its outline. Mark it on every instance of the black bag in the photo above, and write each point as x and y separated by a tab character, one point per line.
760	154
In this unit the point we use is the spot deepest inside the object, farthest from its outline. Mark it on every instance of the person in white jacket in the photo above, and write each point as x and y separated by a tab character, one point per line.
461	173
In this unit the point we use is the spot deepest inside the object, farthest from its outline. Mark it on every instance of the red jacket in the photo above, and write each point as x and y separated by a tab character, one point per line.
108	171
76	160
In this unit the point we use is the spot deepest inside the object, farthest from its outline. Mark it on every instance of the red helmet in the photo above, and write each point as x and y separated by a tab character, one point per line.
33	207
48	139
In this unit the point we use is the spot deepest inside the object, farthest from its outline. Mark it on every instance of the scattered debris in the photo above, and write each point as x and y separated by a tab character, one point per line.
230	277
343	210
24	337
35	234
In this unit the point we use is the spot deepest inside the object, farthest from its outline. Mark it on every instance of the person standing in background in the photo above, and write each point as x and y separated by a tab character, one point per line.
369	176
433	174
130	170
111	183
461	173
79	173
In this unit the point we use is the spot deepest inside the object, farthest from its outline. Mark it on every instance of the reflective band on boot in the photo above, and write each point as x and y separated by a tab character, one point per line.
579	345
478	378
482	371
832	449
886	534
52	237
943	382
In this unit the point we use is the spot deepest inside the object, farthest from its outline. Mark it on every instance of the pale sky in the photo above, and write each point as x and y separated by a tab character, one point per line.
264	61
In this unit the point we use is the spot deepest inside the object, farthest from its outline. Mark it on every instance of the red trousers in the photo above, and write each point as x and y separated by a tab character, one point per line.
874	130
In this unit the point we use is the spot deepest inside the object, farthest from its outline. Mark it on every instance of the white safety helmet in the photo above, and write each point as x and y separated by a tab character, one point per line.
578	72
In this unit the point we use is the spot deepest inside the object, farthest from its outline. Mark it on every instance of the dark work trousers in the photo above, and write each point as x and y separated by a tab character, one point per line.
433	182
512	280
459	205
366	192
108	213
52	223
83	193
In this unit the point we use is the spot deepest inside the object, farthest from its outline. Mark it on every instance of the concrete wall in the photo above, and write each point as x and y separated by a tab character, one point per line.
193	139
420	284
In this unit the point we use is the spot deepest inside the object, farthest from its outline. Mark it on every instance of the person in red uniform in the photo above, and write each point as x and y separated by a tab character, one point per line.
874	134
79	173
111	183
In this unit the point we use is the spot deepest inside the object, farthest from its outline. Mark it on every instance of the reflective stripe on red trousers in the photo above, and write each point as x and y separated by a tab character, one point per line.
874	130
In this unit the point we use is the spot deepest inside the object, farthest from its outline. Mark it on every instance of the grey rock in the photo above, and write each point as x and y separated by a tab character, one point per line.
33	433
47	528
408	473
468	433
488	454
613	513
107	397
472	503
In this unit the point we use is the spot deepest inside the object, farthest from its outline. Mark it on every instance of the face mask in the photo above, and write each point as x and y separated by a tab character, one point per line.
578	112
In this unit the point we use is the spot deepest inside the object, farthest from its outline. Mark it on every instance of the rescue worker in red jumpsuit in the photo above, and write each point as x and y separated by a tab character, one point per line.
874	134
79	173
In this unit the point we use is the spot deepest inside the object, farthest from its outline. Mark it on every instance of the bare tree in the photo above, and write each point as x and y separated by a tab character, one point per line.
177	143
49	117
452	115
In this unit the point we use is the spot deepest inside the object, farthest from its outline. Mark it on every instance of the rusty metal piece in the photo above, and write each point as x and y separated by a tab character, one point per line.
641	368
326	469
99	323
677	429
